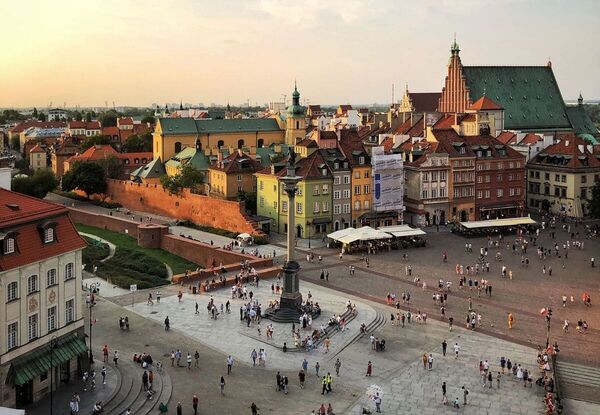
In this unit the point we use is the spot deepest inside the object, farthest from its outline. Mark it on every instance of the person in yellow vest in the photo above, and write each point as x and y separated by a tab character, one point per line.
324	384
511	320
329	381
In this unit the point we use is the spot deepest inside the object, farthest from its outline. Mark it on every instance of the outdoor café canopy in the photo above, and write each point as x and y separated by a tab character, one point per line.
498	223
400	231
365	233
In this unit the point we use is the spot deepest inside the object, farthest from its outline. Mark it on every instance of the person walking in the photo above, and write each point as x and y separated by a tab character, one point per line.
301	378
105	353
167	323
145	380
189	361
253	356
337	366
229	364
444	397
103	373
369	369
444	345
430	361
456	350
317	367
465	395
179	409
377	401
511	321
254	409
324	385
116	357
222	384
195	404
74	404
196	359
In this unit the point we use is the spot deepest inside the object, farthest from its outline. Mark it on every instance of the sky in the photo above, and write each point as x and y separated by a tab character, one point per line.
137	52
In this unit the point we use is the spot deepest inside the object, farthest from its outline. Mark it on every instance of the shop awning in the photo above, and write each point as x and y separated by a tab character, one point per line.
36	362
365	233
498	223
400	231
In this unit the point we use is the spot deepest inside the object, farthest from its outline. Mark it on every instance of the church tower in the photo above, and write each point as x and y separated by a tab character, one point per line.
455	94
295	128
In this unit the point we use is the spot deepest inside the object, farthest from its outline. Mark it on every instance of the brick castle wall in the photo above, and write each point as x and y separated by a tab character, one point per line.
202	210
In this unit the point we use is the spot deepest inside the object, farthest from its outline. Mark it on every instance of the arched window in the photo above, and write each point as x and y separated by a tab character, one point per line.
177	147
297	125
260	143
240	143
12	291
220	143
32	284
69	271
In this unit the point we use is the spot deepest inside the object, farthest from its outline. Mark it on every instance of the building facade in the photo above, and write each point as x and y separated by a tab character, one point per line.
41	297
37	158
233	175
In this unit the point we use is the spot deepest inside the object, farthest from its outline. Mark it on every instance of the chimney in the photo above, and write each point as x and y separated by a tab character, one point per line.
410	156
5	178
272	169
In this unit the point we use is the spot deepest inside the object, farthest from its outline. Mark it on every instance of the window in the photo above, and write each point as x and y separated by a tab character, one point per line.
346	179
518	191
32	327
284	205
510	177
325	189
9	246
511	192
316	190
316	207
51	277
136	161
262	202
299	207
479	179
479	194
546	176
275	205
500	166
366	187
443	175
487	194
487	178
500	192
261	185
337	180
357	175
367	204
12	291
69	311
346	193
557	177
240	144
240	188
356	190
12	335
425	177
346	207
32	284
442	192
583	193
563	178
325	206
425	194
220	143
239	177
177	147
361	160
48	235
434	192
367	174
260	143
357	205
69	271
337	209
52	318
584	179
336	194
499	178
434	176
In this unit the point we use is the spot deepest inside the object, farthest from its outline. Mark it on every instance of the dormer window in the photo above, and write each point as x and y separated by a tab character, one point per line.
9	246
462	150
361	160
48	235
324	172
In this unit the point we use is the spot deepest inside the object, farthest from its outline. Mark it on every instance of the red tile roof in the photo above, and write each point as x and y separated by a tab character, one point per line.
92	125
571	152
96	152
125	121
417	129
530	139
237	163
484	104
24	221
447	121
425	101
307	142
22	126
37	149
507	137
112	131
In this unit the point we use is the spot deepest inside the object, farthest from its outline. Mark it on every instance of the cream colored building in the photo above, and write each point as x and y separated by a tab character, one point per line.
38	158
41	299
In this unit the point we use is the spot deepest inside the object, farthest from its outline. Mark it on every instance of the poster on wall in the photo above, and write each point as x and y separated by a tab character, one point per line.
388	181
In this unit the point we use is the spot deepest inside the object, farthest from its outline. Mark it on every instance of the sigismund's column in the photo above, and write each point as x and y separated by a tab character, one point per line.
291	298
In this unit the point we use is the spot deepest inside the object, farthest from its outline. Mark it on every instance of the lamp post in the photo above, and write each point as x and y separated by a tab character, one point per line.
53	344
548	318
91	306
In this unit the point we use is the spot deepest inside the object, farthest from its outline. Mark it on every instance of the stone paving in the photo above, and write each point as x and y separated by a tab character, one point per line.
231	336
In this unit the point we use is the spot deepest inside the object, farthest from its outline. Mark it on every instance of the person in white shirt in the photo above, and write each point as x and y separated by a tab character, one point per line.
456	350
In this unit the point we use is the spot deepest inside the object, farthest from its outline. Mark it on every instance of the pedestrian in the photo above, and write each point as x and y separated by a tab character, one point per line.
74	404
278	380
444	397
424	359
465	394
189	361
167	324
489	378
195	404
324	385
254	409
369	369
222	385
317	367
337	366
430	361
511	321
103	373
498	377
253	356
377	401
229	364
444	345
301	378
456	350
145	380
116	357
179	409
196	358
105	353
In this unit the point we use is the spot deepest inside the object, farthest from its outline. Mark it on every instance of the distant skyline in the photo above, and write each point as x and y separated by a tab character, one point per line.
134	53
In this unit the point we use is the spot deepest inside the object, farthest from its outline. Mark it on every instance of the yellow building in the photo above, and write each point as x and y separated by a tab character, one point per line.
295	120
232	175
37	158
360	163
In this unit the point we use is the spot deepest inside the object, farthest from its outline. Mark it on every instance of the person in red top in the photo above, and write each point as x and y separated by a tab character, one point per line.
105	353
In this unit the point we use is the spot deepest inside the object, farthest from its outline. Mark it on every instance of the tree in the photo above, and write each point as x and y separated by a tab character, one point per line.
42	116
249	200
88	117
15	143
109	118
95	140
38	185
34	114
113	166
138	143
188	177
594	203
149	119
77	116
86	176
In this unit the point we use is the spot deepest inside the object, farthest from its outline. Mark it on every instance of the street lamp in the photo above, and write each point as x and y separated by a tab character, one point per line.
53	345
91	306
548	318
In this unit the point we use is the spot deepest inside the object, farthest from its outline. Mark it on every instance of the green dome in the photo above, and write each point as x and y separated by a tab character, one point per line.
296	110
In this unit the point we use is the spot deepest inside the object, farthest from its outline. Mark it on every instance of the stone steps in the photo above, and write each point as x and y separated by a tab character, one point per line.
377	323
578	374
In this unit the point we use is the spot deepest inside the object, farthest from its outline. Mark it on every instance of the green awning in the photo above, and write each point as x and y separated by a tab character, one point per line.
36	362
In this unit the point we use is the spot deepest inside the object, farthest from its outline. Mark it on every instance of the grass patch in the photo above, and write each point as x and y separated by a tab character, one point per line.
177	264
258	240
95	251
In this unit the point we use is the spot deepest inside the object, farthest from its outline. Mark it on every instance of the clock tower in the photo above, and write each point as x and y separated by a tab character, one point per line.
295	129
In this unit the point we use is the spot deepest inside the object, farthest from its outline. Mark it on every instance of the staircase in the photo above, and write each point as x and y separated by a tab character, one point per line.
130	392
377	323
578	381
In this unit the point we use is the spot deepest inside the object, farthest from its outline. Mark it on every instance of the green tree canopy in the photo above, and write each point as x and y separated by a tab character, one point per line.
38	185
188	177
95	140
149	119
109	118
35	113
113	166
86	176
137	143
594	203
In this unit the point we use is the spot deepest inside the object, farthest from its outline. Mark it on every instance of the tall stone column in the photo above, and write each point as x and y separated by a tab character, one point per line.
291	298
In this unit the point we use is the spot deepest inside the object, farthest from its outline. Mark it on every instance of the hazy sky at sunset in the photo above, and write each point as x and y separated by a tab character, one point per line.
135	52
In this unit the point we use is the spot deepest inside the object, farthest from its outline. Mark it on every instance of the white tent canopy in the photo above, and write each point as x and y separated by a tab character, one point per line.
365	233
526	220
400	231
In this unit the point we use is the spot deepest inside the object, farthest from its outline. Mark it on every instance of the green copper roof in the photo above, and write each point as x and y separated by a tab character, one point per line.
581	122
237	125
529	95
172	126
178	126
195	158
154	169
